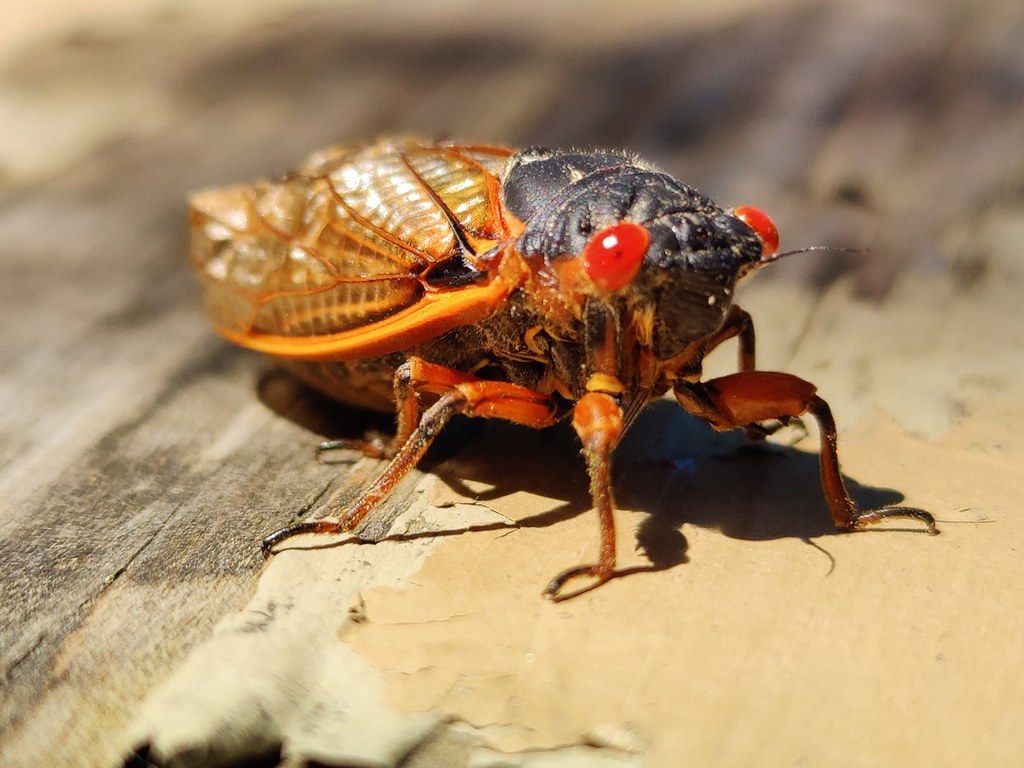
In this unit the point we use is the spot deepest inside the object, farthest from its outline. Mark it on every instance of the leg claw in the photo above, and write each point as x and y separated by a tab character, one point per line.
376	447
314	526
873	516
598	573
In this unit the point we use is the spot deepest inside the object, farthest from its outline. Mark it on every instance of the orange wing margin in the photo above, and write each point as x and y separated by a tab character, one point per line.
330	263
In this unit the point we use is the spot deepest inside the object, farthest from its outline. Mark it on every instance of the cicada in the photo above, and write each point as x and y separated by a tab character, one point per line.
532	286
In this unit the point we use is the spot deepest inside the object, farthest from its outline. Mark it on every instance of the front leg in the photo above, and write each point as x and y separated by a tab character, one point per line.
740	325
746	398
597	419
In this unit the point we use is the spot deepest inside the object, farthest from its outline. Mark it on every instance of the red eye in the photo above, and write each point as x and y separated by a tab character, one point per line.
613	256
763	227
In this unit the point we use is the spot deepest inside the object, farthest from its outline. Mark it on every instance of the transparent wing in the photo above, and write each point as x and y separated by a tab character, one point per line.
342	244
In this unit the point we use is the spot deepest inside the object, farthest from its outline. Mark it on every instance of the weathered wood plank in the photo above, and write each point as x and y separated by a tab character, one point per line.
141	458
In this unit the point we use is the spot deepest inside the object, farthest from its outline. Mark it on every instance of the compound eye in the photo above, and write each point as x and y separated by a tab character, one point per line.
614	255
762	225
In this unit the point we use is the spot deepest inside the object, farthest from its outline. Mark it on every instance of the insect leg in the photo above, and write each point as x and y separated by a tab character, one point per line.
374	447
457	393
492	399
433	419
746	398
738	323
408	376
597	419
414	377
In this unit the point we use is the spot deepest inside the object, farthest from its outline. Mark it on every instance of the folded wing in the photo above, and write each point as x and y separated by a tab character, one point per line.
331	262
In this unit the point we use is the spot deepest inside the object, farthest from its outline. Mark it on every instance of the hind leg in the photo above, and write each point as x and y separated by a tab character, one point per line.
457	393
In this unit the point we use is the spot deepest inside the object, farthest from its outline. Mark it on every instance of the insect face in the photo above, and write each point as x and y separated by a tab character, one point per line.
650	245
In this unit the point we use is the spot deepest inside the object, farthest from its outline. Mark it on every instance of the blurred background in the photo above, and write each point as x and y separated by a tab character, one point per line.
844	118
896	129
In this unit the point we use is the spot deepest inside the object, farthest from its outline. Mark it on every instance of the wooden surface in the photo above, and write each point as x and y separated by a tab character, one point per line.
142	458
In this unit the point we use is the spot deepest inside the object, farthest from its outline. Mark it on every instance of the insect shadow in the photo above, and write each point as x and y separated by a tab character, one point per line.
670	466
681	471
314	411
